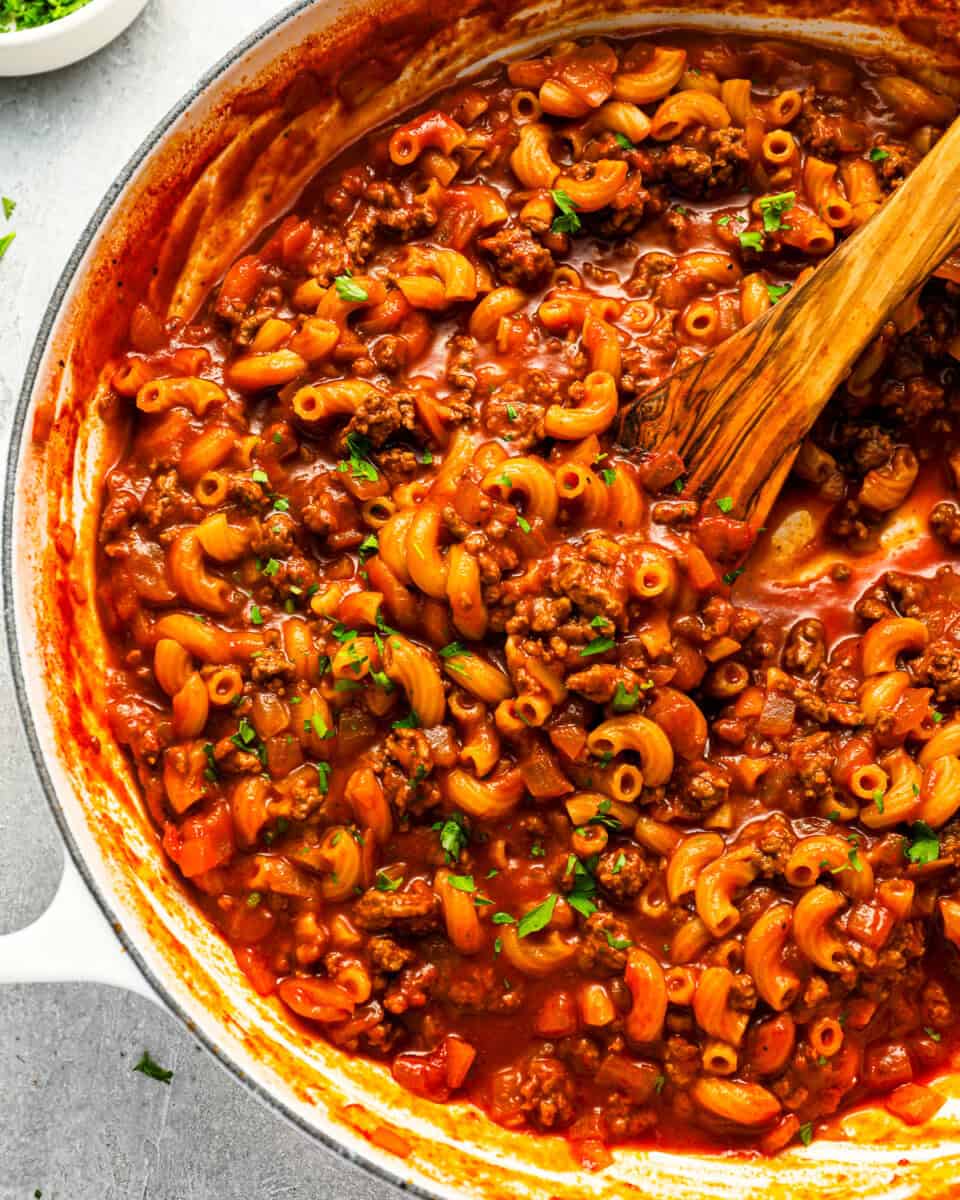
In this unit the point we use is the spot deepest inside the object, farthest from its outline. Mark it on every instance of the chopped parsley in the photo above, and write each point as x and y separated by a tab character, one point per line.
347	290
453	650
503	918
8	206
658	1083
524	524
772	209
271	567
454	836
256	616
625	701
511	413
411	721
724	220
537	918
584	886
925	846
936	717
678	485
619	863
567	220
725	504
462	883
537	851
776	291
323	773
359	464
385	883
806	1133
281	504
146	1066
616	943
245	735
369	545
623	141
751	240
878	155
599	645
609	476
259	476
932	1033
210	773
319	727
731	577
878	799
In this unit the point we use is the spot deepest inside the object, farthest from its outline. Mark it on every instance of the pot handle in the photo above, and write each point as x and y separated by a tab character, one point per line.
71	942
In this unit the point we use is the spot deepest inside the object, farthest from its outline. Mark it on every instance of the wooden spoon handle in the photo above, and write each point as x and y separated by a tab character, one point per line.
738	415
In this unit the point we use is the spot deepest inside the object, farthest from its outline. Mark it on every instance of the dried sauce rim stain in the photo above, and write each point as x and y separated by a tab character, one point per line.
412	721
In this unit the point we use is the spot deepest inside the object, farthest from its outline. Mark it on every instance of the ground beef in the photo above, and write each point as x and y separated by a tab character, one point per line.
412	989
698	787
603	944
388	955
713	162
405	766
476	988
939	668
622	872
599	682
945	522
539	614
379	417
271	663
274	537
462	357
805	649
519	259
167	503
586	575
413	909
540	1091
507	415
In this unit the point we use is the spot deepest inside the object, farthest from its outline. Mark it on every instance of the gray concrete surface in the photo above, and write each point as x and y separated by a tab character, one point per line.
75	1122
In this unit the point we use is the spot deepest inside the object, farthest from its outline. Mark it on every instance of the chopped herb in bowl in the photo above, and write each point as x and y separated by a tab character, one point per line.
28	14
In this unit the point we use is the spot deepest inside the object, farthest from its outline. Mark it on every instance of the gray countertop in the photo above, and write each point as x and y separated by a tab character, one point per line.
75	1122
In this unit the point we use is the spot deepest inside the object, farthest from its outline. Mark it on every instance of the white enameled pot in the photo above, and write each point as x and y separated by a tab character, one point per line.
120	915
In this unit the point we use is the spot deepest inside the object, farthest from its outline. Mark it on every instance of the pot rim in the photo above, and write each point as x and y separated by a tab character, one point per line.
18	431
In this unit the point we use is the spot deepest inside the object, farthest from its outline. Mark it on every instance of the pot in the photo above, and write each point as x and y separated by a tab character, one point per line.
121	916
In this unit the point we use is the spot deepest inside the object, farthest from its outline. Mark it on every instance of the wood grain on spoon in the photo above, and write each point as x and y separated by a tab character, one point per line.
737	415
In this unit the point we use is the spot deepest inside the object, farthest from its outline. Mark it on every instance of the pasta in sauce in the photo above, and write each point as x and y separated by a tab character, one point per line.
456	717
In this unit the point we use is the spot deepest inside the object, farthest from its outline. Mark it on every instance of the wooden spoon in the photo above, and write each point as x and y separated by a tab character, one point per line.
737	415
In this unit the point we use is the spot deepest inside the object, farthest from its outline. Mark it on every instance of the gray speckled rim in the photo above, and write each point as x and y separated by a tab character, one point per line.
17	435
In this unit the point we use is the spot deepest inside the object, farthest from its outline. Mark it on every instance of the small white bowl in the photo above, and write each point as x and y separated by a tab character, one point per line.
49	47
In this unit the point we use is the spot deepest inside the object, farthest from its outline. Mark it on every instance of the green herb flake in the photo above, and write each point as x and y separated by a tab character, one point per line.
281	504
616	943
453	650
259	476
658	1083
599	645
625	701
347	290
724	221
503	918
567	220
254	900
511	413
619	863
878	799
776	291
462	883
772	209
411	721
623	141
524	524
323	773
537	918
925	845
369	545
454	836
8	206
256	616
385	883
878	155
806	1133
359	464
146	1066
751	240
725	504
271	567
731	577
678	485
936	717
932	1033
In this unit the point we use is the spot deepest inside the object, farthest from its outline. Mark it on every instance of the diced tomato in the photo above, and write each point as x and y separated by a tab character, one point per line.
434	1074
203	841
914	1103
253	964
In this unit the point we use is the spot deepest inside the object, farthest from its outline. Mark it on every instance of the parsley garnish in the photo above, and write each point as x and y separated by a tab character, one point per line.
658	1083
616	943
925	847
384	883
772	209
730	577
609	476
412	721
503	918
359	464
511	413
537	918
751	240
599	645
878	799
932	1033
453	836
725	504
878	155
524	524
567	221
776	291
347	290
463	883
323	773
453	650
625	701
146	1066
8	207
259	476
806	1133
623	141
369	545
271	567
